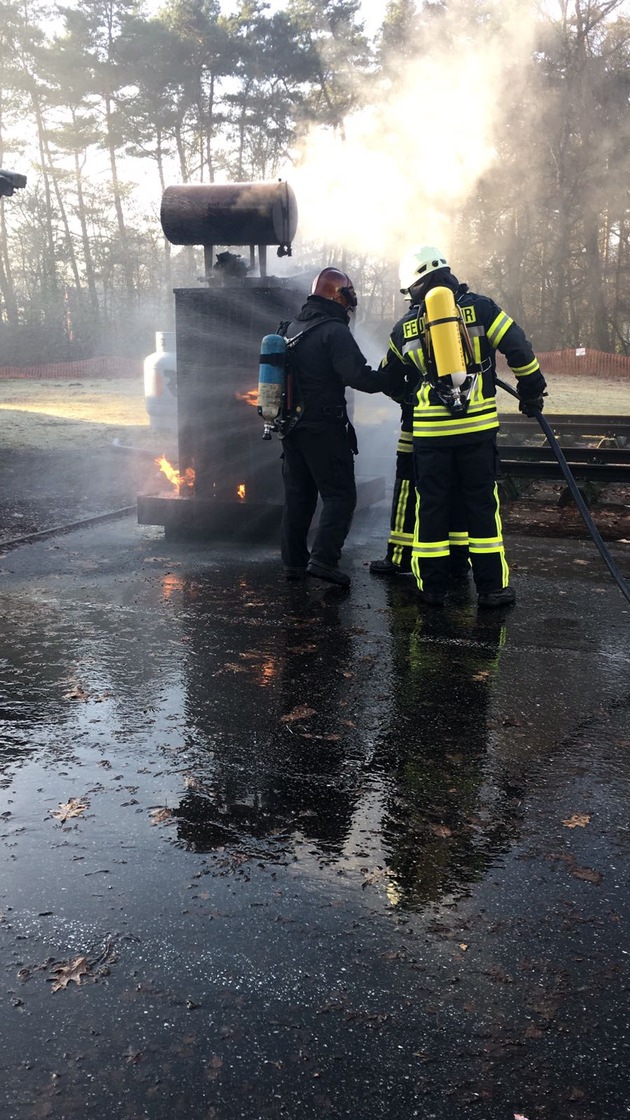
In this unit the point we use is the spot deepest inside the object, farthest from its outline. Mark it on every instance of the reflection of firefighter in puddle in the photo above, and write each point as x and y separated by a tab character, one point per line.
444	818
277	774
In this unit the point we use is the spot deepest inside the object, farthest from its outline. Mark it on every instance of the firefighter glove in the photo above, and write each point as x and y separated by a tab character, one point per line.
529	407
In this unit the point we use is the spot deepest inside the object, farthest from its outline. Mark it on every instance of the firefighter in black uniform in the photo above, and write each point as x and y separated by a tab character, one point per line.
319	444
455	451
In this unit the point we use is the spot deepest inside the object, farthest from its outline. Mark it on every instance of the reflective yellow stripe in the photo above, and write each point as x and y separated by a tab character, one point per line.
496	330
522	371
402	539
415	356
401	508
489	544
396	351
423	429
458	538
505	570
398	553
405	442
428	549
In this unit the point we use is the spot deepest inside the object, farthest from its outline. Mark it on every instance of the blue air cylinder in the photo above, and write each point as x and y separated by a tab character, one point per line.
272	374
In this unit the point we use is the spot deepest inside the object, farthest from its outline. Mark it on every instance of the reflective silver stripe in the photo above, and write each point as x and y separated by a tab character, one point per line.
415	356
430	548
490	545
522	371
401	508
496	330
455	427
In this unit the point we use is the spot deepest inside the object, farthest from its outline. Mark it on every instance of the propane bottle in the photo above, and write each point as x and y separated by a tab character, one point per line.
271	380
160	381
444	325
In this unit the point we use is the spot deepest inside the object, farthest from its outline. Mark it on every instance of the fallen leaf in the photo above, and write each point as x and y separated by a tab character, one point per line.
213	1070
463	946
72	808
587	873
67	971
519	1116
376	876
158	816
441	830
578	820
75	693
301	712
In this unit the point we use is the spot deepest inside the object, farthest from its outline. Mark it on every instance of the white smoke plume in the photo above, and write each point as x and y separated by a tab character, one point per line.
413	154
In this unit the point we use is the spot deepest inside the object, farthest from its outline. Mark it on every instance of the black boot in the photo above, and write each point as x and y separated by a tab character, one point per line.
502	597
384	567
328	572
431	598
295	573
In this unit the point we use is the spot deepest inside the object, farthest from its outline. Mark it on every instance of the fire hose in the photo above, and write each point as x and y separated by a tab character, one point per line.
575	491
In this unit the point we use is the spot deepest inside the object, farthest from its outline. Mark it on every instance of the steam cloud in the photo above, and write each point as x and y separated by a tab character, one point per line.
413	154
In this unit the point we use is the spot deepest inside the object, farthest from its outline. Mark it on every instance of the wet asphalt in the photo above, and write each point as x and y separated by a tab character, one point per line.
278	850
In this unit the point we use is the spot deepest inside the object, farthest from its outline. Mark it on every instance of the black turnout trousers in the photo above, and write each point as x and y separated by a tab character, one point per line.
470	470
317	459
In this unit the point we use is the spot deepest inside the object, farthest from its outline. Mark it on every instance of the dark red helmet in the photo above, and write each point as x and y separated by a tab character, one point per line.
333	284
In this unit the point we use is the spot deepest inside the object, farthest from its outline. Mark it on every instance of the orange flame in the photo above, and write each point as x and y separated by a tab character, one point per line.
240	491
251	397
187	479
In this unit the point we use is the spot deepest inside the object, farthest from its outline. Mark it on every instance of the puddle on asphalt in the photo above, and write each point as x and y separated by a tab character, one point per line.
196	777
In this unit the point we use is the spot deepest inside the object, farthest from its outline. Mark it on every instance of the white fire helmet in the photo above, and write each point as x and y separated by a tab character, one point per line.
418	263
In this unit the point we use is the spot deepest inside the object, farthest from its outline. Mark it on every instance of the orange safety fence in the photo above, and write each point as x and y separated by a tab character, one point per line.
581	362
588	363
91	369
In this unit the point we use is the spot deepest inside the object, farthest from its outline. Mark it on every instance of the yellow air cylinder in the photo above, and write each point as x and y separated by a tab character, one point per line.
443	323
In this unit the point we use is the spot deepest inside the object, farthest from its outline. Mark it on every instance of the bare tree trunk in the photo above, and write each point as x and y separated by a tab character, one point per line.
45	149
85	238
601	334
6	280
210	130
120	217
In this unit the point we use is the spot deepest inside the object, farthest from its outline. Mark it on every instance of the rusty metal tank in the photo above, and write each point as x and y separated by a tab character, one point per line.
230	214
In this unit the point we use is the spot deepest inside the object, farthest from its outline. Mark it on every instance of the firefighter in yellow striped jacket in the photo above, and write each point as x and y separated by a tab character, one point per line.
454	437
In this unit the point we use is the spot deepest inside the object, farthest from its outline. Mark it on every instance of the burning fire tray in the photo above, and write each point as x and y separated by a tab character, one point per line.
207	519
